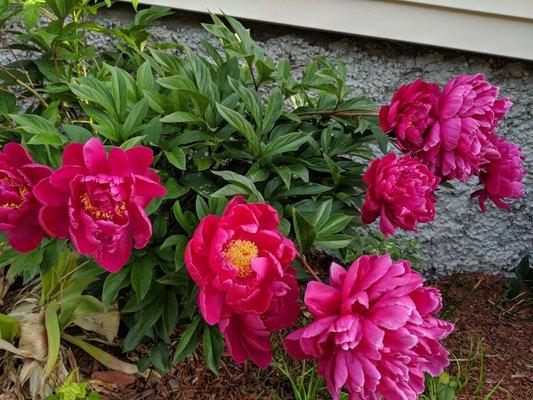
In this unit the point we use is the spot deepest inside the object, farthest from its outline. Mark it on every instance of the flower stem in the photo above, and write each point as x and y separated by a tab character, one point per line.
309	268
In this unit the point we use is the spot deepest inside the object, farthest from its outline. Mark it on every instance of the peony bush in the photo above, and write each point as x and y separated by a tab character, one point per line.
190	190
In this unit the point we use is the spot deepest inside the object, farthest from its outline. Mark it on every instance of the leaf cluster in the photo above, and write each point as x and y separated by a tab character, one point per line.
224	121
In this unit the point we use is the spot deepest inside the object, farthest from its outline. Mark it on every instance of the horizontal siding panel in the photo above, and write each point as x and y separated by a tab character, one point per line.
408	21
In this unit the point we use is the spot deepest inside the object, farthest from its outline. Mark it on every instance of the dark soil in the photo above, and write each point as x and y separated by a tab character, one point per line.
491	348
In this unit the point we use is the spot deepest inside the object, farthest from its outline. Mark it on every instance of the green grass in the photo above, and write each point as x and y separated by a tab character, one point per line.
467	381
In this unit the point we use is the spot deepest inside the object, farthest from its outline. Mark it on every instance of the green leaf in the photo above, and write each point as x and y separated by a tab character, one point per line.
119	89
305	231
273	111
188	341
334	169
9	327
180	117
177	158
53	337
8	104
31	13
336	223
285	143
236	120
112	285
322	214
145	77
202	209
523	271
230	190
285	174
307	189
141	278
132	142
251	100
240	180
338	241
135	117
213	347
181	218
159	357
149	315
43	130
70	390
381	139
77	133
199	183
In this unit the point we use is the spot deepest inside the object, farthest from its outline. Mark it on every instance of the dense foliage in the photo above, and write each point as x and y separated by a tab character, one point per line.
184	133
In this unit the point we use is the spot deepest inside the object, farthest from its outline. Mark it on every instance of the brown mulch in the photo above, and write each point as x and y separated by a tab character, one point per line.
500	330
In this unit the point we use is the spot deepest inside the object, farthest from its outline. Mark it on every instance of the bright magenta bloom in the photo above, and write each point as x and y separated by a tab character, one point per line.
502	176
98	200
242	265
446	130
468	110
400	192
411	114
374	331
18	207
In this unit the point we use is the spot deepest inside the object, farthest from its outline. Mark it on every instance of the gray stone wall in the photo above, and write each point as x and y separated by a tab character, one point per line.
461	238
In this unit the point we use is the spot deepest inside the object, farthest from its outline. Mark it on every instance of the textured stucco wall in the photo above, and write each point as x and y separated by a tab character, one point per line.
461	238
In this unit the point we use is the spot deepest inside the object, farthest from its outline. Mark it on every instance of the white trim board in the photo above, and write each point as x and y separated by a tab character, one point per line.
499	27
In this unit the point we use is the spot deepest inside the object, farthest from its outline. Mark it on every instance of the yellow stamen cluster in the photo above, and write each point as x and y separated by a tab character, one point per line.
239	254
99	214
22	191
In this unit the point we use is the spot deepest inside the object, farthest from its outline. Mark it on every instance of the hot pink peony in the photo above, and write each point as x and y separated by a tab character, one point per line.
242	265
446	130
400	192
374	331
98	200
18	207
411	114
502	176
468	110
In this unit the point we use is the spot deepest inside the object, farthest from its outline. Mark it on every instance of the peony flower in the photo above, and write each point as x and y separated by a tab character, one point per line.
374	331
400	192
502	176
411	114
98	200
468	110
18	207
242	265
446	130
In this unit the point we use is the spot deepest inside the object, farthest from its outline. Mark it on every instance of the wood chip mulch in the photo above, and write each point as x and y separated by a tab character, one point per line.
503	329
474	302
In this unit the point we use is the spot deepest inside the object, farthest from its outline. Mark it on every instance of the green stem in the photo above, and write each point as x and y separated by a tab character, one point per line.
27	87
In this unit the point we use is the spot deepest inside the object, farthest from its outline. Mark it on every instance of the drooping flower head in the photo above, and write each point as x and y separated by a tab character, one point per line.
502	175
374	330
18	207
468	109
98	200
242	264
411	114
446	130
400	192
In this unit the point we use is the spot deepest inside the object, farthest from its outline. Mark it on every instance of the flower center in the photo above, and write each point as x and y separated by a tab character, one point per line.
96	212
239	254
21	189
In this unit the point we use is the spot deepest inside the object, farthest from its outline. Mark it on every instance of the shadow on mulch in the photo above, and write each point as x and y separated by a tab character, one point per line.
474	302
